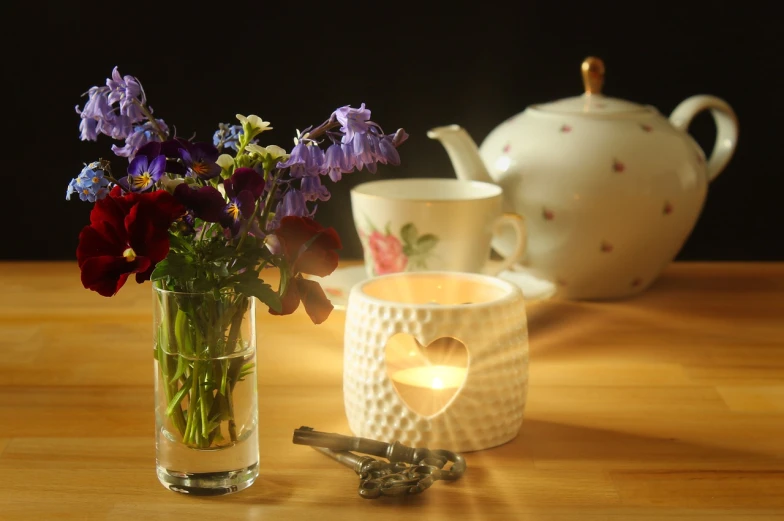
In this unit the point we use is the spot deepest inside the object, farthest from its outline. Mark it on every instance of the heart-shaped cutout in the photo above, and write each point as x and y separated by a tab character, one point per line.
427	379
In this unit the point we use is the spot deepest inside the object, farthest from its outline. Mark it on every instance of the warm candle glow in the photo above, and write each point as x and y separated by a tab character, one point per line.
427	389
431	376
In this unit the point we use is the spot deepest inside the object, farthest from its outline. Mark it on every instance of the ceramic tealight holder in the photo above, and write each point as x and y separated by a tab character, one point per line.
436	359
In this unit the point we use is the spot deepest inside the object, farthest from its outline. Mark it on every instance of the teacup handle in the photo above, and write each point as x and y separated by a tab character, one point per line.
517	223
726	127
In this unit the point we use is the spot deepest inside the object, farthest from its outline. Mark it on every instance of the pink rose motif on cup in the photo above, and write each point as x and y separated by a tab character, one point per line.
618	166
392	254
387	252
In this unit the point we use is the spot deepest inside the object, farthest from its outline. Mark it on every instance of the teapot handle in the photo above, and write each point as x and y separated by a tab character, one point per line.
726	127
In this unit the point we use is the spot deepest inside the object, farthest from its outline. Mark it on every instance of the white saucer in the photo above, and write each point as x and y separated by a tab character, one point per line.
338	284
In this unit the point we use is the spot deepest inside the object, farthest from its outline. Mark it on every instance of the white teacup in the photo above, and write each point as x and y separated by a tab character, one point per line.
433	224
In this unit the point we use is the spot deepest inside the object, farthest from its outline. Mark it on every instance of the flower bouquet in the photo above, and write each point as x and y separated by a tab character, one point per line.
201	220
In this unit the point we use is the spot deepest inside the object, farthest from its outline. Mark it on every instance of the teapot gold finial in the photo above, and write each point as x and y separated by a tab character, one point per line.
593	75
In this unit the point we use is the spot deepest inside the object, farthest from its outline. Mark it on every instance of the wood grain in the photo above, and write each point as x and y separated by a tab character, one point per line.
667	406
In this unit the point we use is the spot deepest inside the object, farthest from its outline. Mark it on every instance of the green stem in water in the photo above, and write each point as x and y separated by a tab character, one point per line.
190	430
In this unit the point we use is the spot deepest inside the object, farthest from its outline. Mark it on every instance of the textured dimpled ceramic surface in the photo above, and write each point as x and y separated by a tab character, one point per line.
487	409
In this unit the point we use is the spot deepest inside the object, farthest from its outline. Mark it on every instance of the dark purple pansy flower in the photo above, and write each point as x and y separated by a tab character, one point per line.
144	173
200	160
244	179
243	189
206	202
169	148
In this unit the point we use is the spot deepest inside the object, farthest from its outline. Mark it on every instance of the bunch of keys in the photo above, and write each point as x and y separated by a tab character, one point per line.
408	471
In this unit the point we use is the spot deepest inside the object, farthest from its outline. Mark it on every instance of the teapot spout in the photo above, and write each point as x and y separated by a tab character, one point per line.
463	152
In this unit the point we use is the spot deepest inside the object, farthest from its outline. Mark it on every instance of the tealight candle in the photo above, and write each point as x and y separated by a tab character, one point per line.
436	359
427	389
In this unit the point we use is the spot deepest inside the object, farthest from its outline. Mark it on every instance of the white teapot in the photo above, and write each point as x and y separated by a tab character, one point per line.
610	189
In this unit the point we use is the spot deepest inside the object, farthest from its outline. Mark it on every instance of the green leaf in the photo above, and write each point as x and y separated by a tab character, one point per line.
177	265
161	270
426	243
409	233
255	287
177	242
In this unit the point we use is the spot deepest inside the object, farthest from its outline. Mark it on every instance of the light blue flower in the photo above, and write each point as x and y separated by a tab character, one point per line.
91	184
227	135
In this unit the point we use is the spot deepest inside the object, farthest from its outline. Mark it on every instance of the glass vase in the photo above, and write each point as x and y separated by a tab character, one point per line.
206	409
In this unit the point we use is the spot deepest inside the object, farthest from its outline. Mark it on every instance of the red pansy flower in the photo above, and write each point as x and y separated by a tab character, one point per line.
318	258
127	234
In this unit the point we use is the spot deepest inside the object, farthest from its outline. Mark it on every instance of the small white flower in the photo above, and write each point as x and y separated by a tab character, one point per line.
271	152
170	184
225	161
256	123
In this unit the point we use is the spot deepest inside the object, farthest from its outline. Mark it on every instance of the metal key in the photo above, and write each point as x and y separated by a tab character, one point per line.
395	452
377	478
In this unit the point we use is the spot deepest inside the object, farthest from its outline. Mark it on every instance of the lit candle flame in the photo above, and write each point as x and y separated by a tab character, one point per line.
437	383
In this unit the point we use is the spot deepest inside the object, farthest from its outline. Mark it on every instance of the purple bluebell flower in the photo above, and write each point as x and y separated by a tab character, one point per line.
140	136
227	136
293	203
143	173
364	148
336	163
88	129
386	151
353	121
117	126
305	160
98	105
90	184
126	90
96	110
200	160
313	190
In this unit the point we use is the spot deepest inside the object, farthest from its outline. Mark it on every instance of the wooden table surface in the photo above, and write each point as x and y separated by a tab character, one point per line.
666	406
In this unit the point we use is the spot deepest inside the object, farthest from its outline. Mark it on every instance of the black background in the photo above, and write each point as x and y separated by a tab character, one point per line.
415	65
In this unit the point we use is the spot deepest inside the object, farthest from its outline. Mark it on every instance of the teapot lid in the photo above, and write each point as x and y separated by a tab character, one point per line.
593	102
